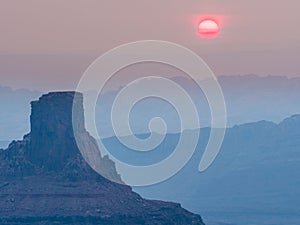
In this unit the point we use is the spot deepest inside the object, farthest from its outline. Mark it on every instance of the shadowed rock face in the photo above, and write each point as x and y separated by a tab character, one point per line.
52	140
52	143
44	179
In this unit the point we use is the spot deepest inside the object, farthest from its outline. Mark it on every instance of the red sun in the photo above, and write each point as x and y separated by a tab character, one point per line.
208	28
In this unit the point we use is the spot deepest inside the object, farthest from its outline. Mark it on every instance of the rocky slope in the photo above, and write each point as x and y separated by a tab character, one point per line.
45	180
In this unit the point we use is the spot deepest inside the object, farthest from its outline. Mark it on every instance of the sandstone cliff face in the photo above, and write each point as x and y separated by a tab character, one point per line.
44	179
53	145
52	141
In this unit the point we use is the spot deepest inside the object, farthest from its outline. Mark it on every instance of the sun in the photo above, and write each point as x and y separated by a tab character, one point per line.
208	28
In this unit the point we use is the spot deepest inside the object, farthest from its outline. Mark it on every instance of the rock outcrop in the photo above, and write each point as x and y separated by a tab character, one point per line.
44	179
52	141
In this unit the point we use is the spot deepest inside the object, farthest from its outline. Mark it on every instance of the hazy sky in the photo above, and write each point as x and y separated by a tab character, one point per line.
48	43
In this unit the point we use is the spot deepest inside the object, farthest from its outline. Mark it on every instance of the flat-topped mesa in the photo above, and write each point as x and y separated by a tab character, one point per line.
52	139
51	144
59	176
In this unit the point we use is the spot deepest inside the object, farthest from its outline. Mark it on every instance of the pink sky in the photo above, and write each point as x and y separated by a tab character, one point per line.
47	44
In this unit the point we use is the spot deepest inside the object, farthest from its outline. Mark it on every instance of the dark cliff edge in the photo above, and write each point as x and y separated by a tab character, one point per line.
45	180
